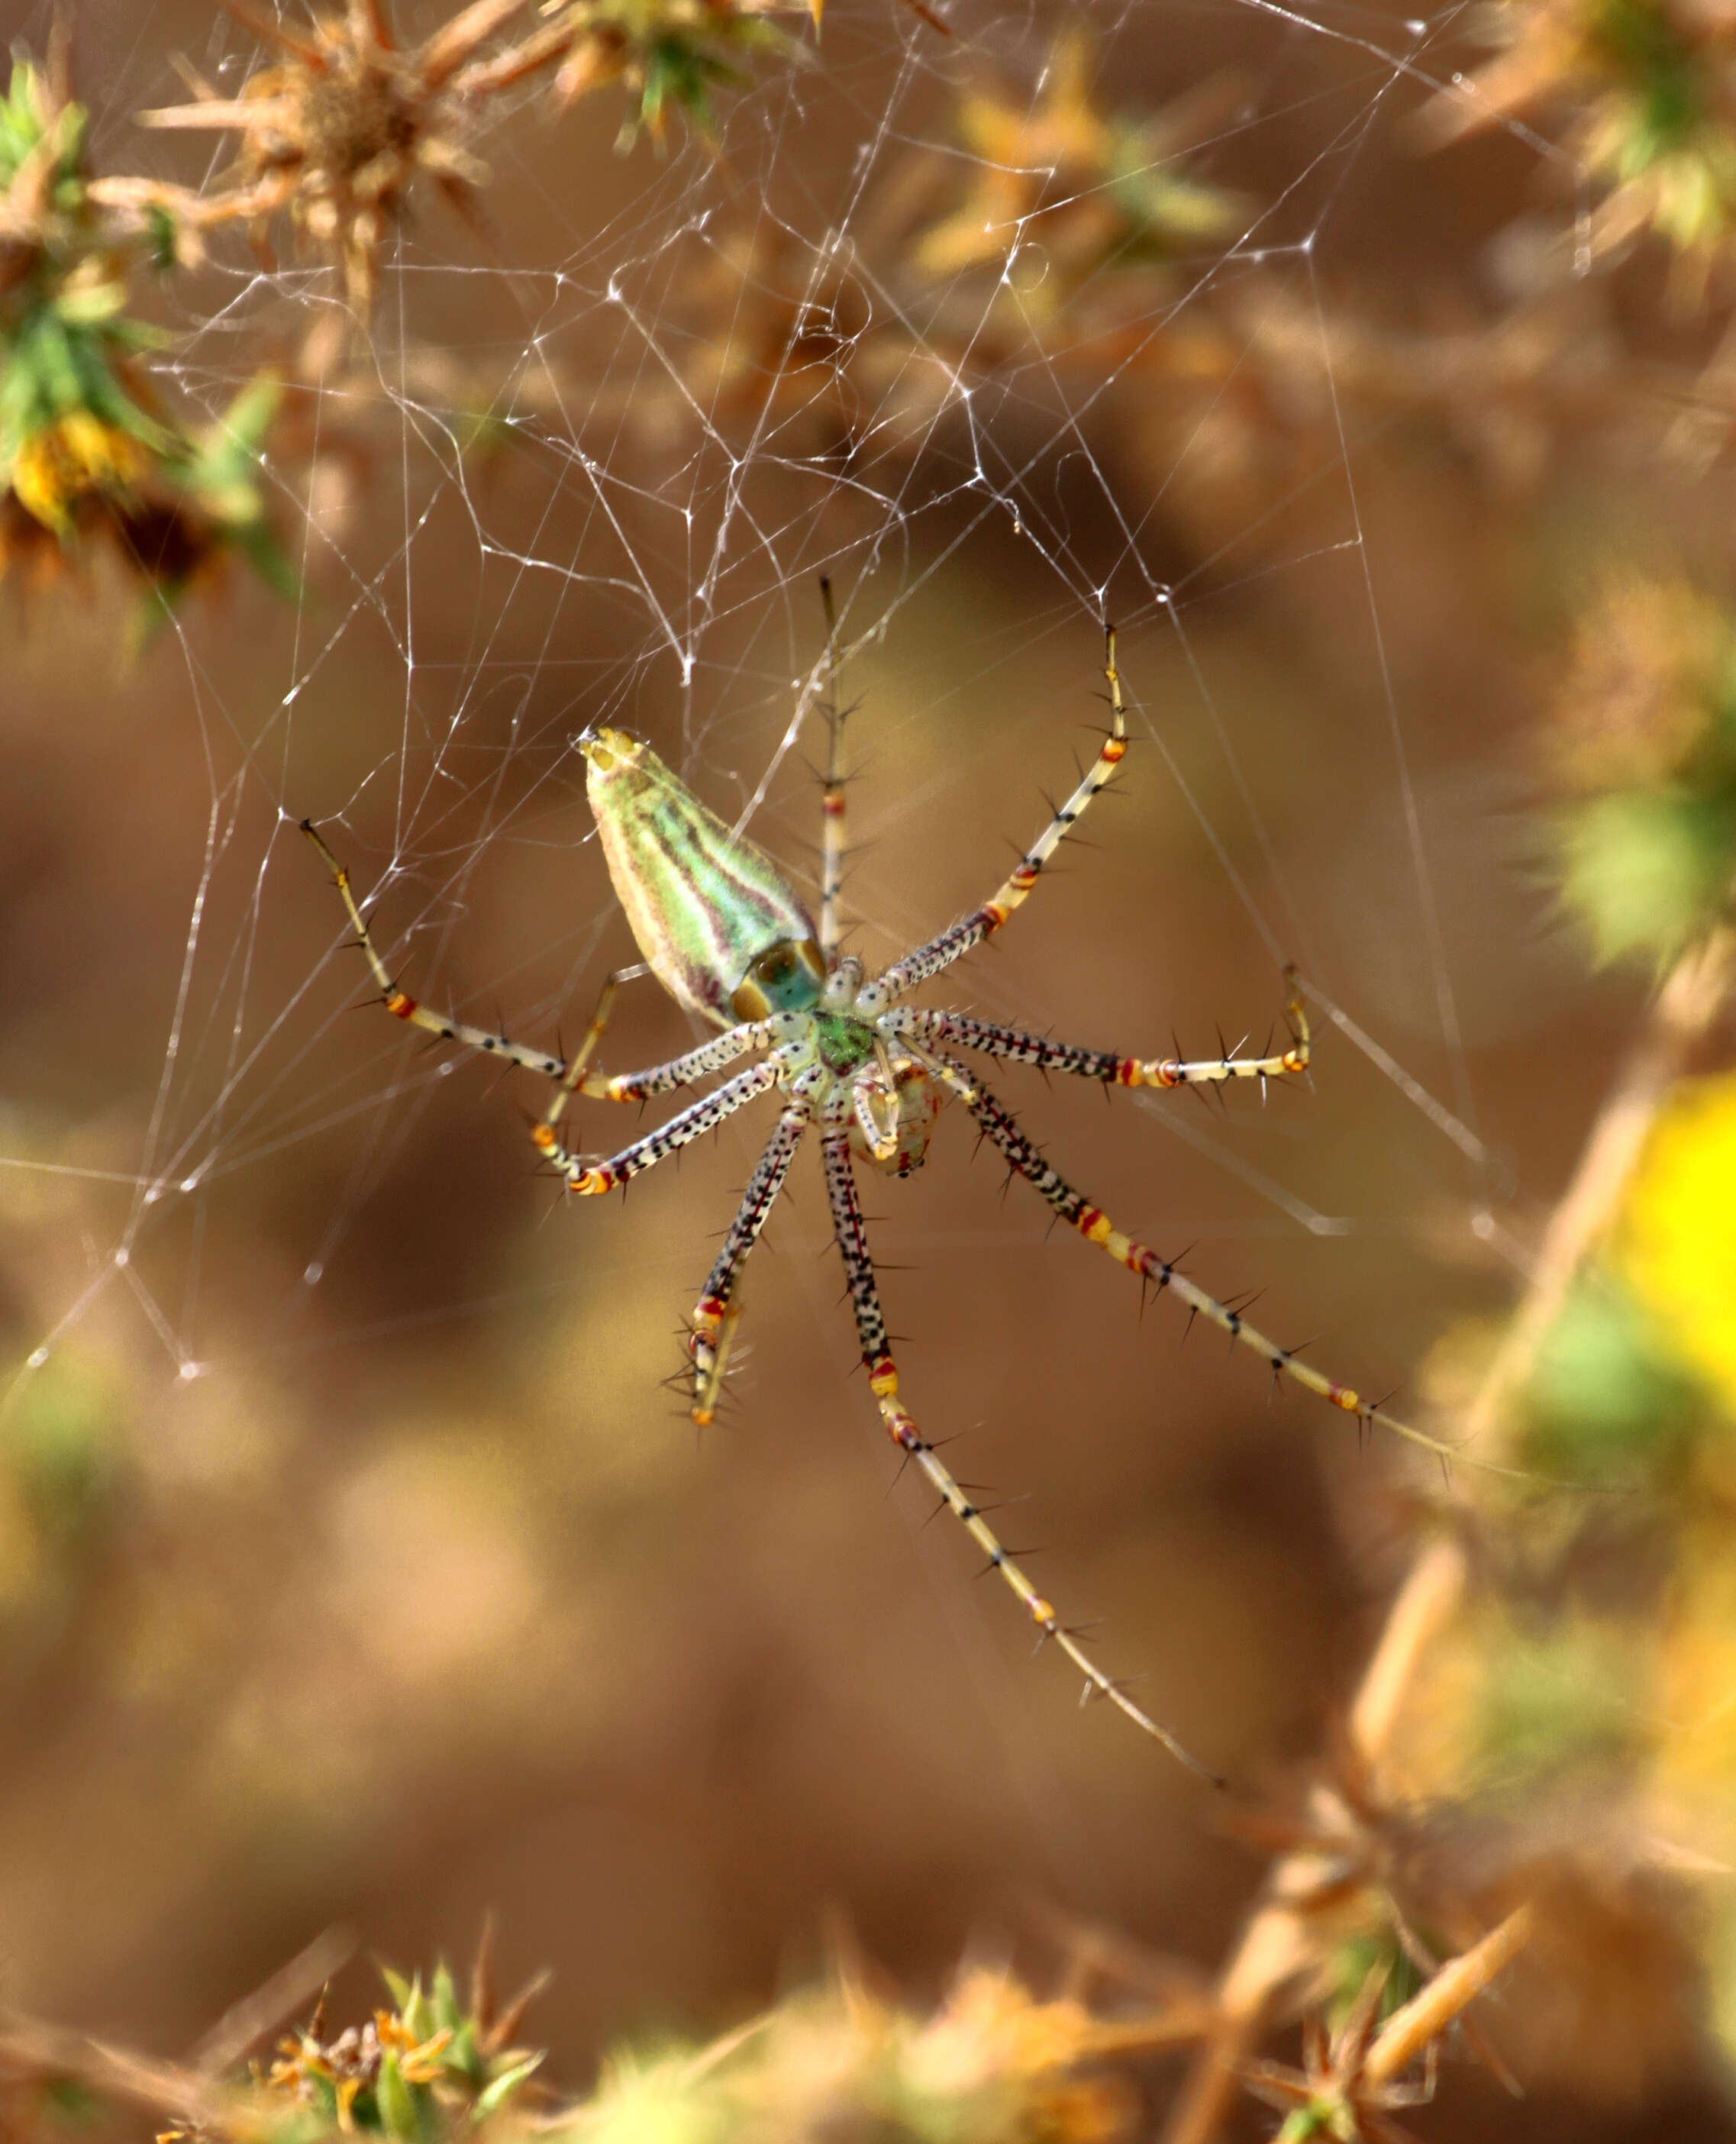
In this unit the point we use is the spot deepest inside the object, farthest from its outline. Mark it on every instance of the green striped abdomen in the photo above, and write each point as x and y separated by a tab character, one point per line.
705	905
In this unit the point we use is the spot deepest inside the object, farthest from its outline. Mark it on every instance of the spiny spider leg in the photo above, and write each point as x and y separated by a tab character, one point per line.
1095	1226
1018	1048
716	1313
574	1078
589	1178
687	1070
574	1075
852	1236
953	943
831	833
405	1007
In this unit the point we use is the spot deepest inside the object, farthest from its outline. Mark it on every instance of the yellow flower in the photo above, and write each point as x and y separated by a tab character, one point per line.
78	454
1677	1245
419	2061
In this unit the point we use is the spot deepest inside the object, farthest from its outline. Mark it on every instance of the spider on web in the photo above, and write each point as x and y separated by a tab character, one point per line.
728	938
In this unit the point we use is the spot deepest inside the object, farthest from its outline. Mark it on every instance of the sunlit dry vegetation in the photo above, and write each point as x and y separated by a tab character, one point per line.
346	1629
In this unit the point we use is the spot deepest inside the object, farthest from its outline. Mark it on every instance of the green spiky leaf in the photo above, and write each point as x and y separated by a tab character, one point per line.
401	2115
495	2094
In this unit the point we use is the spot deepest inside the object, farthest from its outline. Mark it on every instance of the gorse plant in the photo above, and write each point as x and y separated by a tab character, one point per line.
429	2066
991	2062
672	55
336	132
85	448
1648	91
71	423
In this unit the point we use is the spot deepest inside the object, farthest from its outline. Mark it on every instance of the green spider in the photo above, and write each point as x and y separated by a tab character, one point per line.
727	935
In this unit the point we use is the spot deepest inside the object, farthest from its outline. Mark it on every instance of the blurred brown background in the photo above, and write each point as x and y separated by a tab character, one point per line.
353	1567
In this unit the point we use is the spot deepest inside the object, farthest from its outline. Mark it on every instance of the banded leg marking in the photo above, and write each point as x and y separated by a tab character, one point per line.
589	1178
687	1070
404	1006
716	1313
1095	1226
852	1235
1015	1046
952	943
575	1077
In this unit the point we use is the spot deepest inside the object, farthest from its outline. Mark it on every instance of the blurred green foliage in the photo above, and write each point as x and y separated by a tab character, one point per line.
84	449
1597	1673
1645	89
1062	195
1561	1698
1609	1403
62	1459
62	1446
1648	871
413	2071
1644	739
990	2064
671	54
1661	120
70	419
1356	1961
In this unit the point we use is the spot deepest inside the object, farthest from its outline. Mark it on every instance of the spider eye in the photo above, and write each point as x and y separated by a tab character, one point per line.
607	748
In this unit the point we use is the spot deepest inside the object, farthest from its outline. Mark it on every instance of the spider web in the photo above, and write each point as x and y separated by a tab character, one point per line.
591	469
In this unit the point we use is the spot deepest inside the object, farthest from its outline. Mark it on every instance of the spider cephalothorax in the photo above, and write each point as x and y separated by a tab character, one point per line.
730	939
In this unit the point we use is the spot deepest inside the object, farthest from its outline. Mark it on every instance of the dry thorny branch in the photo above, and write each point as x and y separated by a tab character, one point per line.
991	2065
1286	1938
1082	246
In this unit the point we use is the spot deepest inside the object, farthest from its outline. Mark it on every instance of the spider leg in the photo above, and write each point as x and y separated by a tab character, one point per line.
405	1007
589	1178
852	1232
1017	1047
832	841
1095	1226
574	1078
716	1313
691	1065
953	943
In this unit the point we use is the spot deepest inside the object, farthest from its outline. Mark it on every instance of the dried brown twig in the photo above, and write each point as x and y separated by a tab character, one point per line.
31	2051
1352	2079
337	132
1278	1945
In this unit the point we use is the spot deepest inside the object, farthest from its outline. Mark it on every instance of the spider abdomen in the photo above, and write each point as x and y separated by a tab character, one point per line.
707	908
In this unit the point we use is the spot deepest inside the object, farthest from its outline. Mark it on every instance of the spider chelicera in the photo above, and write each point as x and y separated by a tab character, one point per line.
727	936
